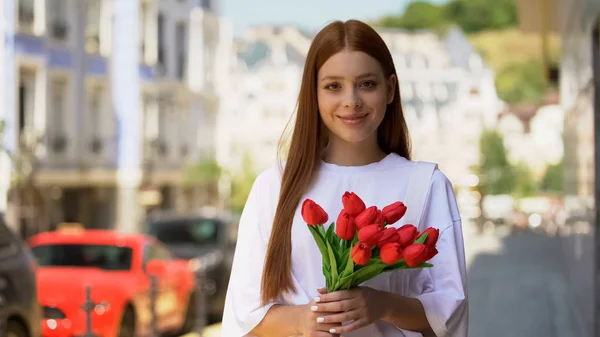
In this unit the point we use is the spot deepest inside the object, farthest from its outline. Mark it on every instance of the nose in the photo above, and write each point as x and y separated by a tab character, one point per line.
352	100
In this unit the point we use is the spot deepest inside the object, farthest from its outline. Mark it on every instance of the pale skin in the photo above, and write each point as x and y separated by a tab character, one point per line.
353	93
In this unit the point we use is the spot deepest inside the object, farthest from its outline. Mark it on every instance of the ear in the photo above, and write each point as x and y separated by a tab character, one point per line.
391	85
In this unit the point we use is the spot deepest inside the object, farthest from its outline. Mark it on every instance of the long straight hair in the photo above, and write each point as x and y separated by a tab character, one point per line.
310	136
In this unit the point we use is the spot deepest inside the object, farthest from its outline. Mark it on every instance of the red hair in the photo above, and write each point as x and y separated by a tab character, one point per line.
309	138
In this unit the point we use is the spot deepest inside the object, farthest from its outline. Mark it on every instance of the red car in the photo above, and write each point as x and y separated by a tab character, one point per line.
117	268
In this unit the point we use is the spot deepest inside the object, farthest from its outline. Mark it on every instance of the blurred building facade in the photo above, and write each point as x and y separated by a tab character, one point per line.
533	134
265	81
122	96
448	96
580	99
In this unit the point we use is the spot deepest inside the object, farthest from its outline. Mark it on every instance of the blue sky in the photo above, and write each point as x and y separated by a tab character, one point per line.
310	14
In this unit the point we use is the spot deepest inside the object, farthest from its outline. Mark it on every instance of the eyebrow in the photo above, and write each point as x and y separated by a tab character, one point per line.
341	78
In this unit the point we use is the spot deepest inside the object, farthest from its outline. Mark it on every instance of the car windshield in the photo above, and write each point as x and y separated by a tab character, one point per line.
105	257
188	231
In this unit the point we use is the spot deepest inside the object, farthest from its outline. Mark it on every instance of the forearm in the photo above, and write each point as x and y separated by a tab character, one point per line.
406	313
280	320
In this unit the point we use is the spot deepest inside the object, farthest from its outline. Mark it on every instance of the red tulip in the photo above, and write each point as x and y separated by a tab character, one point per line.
380	220
415	254
432	236
394	212
388	235
361	254
345	228
313	214
370	234
390	253
353	204
431	252
408	234
367	217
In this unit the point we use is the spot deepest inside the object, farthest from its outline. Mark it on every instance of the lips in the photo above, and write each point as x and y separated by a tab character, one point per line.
353	119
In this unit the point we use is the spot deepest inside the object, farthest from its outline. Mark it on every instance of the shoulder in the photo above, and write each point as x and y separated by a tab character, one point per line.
268	181
439	179
442	195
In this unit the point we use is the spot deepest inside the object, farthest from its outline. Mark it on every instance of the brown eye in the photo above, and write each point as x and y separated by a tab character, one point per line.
368	84
333	86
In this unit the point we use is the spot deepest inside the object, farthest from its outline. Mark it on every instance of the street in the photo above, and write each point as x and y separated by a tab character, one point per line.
516	287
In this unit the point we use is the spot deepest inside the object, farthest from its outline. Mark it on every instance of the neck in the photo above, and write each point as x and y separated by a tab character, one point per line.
342	153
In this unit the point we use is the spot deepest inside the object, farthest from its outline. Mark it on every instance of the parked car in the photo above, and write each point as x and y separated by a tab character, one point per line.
20	311
206	242
117	268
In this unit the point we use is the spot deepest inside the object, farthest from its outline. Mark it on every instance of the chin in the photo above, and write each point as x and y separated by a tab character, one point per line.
352	136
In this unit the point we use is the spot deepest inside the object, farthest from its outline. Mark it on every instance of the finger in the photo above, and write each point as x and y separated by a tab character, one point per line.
360	323
322	291
325	327
336	296
325	334
339	306
340	317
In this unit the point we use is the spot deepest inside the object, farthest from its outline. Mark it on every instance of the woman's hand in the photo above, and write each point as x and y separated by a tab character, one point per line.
360	306
311	326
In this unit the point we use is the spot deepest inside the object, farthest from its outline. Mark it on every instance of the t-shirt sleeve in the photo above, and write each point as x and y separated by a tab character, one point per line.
442	289
243	310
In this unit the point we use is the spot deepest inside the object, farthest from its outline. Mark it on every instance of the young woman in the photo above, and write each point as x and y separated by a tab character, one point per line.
349	135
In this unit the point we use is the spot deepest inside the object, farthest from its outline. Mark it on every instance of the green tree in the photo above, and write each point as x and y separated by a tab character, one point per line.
241	184
522	81
553	179
478	15
417	15
470	15
496	175
525	184
203	172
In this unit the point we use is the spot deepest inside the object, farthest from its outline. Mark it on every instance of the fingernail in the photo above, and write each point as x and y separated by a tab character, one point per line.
331	330
314	308
317	299
320	319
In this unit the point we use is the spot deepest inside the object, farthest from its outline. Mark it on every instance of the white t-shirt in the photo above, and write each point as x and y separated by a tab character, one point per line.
441	289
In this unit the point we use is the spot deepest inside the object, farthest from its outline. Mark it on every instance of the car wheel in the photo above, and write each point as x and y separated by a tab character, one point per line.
127	327
15	329
190	315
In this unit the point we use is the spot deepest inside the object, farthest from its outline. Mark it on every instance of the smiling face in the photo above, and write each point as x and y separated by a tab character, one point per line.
353	93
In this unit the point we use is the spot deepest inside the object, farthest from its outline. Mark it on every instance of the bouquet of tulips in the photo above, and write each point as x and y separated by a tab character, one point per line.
360	245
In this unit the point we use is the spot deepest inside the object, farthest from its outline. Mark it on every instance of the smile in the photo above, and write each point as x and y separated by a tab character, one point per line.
353	119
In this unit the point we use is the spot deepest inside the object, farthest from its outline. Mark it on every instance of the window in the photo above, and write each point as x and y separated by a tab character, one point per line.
92	30
161	41
105	257
181	49
26	99
58	21
26	15
144	13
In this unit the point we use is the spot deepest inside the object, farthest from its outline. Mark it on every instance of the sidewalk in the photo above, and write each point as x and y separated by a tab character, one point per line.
211	331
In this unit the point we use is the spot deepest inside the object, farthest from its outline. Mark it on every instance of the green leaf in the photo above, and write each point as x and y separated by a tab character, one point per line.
330	232
349	266
422	238
367	273
401	264
333	263
424	265
320	240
